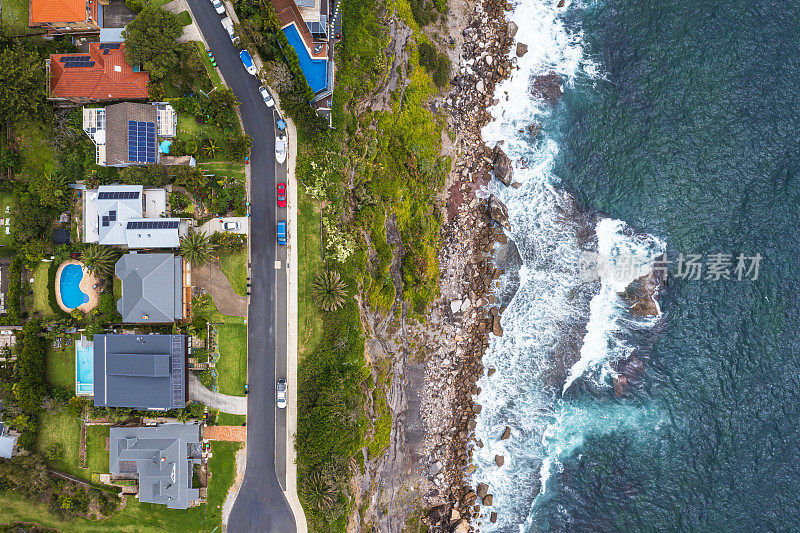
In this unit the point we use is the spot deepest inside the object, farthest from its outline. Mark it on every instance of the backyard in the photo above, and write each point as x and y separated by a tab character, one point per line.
6	200
61	367
232	364
15	17
308	249
41	290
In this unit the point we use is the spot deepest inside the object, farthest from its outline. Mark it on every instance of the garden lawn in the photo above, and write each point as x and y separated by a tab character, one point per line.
96	453
61	367
61	427
41	291
15	18
232	363
212	72
139	517
234	265
37	154
230	170
308	251
210	313
6	199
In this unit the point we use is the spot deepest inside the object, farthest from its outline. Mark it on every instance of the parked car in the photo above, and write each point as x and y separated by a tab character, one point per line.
282	232
281	195
247	61
230	226
218	7
280	149
227	23
266	96
280	393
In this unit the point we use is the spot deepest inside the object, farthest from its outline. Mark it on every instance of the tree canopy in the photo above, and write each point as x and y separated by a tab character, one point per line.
151	40
23	91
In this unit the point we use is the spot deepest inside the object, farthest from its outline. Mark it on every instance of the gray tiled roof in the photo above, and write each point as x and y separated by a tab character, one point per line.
151	288
163	457
117	117
140	371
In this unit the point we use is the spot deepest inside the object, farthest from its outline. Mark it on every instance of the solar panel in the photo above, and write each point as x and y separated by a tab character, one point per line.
105	221
112	216
118	195
153	224
141	141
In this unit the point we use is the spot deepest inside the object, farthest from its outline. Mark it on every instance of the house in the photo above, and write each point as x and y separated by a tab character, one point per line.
8	443
101	75
162	458
121	139
64	16
140	371
153	288
131	216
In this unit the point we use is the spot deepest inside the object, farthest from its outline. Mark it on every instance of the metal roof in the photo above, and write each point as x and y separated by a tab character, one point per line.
140	371
153	233
125	202
151	288
163	457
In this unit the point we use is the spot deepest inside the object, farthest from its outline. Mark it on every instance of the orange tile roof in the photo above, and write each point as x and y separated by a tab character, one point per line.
110	78
43	11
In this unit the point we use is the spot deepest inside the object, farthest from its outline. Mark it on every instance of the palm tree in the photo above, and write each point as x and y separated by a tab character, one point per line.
318	491
329	291
210	147
196	247
99	259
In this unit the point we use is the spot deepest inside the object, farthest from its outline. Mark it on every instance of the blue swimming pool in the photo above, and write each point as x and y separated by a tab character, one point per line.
315	70
69	286
84	368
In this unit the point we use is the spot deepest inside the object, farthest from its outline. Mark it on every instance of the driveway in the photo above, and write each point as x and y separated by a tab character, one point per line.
215	224
261	505
235	405
211	278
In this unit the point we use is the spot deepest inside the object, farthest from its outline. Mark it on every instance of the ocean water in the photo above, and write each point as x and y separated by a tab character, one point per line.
678	132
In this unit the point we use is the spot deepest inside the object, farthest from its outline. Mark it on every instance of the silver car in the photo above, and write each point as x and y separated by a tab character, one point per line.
281	393
218	7
266	96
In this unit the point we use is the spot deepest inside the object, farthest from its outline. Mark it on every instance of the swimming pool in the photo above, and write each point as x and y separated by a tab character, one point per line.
315	70
69	286
84	367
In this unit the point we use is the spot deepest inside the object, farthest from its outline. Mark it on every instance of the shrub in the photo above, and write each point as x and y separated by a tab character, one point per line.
134	5
239	146
179	201
226	242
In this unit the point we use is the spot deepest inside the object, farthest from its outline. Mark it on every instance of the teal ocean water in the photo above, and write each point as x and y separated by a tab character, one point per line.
678	132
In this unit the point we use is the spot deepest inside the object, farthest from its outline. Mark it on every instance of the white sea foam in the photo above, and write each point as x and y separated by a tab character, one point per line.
525	392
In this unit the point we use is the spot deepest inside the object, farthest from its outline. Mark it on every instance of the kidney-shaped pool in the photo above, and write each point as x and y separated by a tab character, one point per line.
70	286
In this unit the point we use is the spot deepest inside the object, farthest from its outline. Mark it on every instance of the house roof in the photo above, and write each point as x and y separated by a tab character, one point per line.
105	75
140	371
162	456
151	288
153	233
119	118
116	205
44	11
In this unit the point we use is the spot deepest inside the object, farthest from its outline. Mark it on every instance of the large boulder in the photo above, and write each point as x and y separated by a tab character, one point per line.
488	500
548	88
506	433
462	526
502	166
499	460
620	385
499	212
522	49
482	490
497	329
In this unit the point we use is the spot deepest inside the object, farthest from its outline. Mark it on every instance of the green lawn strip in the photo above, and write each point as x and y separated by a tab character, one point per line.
63	428
15	18
37	154
184	18
212	72
232	363
41	292
231	170
139	517
117	288
210	313
308	251
227	419
96	453
234	266
61	367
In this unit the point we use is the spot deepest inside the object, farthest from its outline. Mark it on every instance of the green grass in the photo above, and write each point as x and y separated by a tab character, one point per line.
117	288
61	427
41	291
308	252
382	423
61	367
212	72
234	266
231	170
227	419
210	313
96	453
232	363
37	154
139	517
6	200
15	18
184	18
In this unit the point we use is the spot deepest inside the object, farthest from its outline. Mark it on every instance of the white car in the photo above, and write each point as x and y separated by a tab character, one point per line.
266	96
218	7
227	23
230	226
280	394
280	150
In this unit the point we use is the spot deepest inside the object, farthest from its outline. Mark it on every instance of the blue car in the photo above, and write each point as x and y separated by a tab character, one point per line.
247	61
282	232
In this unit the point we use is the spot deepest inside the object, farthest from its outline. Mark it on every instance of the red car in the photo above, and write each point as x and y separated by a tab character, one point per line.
281	195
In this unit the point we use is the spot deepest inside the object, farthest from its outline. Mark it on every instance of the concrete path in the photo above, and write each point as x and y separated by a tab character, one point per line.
235	405
211	277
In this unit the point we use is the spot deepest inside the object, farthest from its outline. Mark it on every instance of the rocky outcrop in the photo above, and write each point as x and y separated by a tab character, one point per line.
482	490
642	295
498	212
548	88
506	433
499	460
522	49
503	169
620	385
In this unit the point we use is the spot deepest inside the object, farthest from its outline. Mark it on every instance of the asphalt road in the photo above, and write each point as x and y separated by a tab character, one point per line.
260	505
